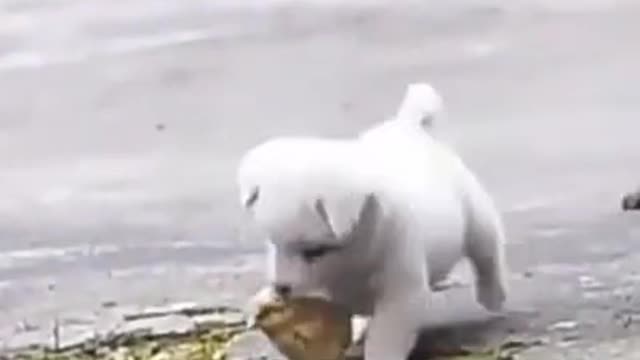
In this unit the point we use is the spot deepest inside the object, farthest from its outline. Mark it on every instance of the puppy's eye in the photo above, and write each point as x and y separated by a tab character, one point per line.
315	253
252	198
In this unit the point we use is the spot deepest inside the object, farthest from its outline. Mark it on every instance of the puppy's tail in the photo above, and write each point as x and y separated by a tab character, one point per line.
421	106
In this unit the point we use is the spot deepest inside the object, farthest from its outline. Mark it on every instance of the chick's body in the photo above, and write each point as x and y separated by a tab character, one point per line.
306	328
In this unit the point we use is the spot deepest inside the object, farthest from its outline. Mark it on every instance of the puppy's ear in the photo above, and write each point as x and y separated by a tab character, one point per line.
343	214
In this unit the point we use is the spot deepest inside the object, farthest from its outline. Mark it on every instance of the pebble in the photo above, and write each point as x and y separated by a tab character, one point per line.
221	319
564	326
631	201
172	324
590	283
253	345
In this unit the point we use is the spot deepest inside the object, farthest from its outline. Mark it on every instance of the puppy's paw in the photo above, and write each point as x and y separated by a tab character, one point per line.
359	324
448	284
355	351
491	296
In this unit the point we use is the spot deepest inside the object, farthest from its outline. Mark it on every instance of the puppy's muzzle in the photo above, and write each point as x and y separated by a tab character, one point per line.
287	290
282	289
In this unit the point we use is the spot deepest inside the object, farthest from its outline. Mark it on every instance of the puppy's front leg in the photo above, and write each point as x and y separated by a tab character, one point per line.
395	326
359	326
393	330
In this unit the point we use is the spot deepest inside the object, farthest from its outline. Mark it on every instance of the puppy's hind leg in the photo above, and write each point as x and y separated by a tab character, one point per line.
484	242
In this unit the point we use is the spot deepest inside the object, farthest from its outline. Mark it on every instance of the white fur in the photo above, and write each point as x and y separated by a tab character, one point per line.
421	108
402	208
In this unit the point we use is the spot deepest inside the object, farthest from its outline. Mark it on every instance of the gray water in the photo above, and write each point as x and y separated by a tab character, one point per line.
121	123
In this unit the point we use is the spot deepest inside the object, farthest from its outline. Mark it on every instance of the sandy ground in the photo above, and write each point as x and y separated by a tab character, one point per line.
120	128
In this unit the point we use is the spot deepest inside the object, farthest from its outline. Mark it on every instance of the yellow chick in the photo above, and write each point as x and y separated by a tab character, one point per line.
306	328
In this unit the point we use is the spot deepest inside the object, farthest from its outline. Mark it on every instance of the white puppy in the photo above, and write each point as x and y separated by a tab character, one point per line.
375	222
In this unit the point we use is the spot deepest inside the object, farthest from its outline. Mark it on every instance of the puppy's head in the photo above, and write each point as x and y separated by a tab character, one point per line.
311	214
319	243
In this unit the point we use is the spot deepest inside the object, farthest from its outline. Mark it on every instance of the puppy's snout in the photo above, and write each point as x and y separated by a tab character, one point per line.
282	289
